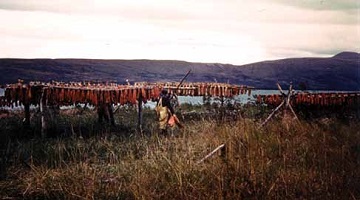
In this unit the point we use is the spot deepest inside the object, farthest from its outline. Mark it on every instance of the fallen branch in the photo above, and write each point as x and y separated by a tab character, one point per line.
276	109
211	153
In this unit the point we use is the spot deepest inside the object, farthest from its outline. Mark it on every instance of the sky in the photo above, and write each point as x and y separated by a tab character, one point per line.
221	31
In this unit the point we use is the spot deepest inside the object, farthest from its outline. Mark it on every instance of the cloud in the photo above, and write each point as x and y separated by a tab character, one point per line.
265	11
159	9
235	32
293	40
339	5
43	5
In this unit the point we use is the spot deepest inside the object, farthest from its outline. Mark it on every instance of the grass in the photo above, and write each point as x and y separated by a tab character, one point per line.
298	160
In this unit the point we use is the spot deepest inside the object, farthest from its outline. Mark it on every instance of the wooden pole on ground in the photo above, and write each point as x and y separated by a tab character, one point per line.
273	112
211	153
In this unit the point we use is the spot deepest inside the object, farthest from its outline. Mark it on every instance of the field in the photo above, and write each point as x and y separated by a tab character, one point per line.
316	157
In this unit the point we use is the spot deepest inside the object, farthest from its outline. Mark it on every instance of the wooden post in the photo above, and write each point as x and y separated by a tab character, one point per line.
280	89
42	112
292	110
286	101
288	96
111	114
224	152
103	112
140	113
100	112
288	105
27	114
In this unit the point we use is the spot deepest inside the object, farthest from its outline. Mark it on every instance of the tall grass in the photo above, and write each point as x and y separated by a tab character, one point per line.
304	160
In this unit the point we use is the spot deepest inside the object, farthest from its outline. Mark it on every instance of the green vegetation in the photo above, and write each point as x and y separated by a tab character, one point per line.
86	160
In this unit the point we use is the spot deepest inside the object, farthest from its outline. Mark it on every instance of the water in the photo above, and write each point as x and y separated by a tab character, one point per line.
242	99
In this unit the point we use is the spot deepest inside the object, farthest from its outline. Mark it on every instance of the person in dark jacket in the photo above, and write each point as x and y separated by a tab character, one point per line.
166	101
165	112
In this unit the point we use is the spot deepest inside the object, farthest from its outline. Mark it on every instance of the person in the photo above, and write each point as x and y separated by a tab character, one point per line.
166	101
165	112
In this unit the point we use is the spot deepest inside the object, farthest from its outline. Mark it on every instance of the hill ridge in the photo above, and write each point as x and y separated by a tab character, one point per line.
339	72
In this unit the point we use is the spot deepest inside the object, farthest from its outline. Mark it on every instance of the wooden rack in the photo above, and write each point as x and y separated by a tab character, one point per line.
97	94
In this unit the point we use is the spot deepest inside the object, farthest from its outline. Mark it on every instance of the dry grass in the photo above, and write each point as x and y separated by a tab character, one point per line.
305	160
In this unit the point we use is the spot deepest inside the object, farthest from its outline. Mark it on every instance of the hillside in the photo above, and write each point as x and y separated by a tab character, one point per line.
340	72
